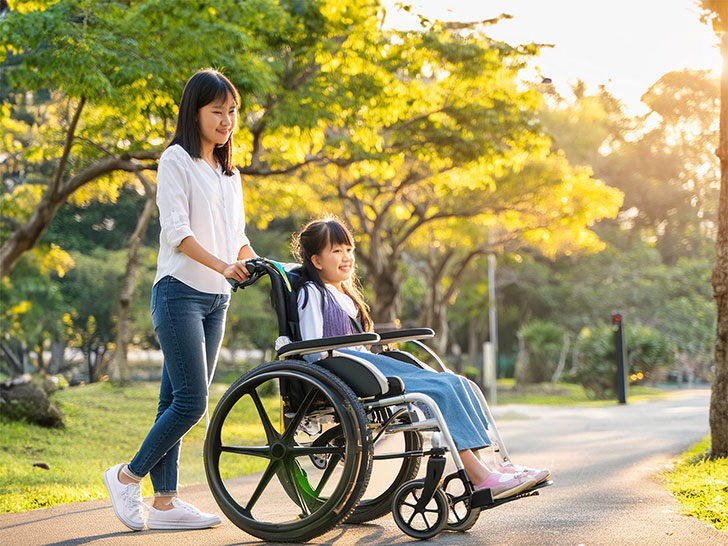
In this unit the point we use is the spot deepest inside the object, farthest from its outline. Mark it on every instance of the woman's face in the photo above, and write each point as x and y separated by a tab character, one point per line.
217	121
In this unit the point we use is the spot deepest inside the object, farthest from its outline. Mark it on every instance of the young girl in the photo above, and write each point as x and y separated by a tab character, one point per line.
330	304
202	241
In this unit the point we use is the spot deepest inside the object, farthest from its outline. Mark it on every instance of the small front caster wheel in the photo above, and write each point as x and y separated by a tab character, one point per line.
424	522
462	517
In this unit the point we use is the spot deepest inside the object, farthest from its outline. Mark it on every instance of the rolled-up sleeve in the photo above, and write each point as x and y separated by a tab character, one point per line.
172	200
310	318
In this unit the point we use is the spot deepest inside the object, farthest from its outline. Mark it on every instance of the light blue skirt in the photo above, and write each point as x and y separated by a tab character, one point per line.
452	393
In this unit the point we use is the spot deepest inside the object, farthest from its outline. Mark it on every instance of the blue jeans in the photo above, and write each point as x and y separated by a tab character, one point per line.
452	393
189	325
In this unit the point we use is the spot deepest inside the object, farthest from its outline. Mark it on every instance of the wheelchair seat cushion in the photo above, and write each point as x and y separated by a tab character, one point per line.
365	380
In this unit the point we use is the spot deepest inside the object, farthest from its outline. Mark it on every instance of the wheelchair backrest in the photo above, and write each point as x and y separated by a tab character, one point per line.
283	278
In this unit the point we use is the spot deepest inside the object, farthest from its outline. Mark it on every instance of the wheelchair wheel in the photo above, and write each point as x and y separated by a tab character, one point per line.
424	523
462	517
265	469
376	501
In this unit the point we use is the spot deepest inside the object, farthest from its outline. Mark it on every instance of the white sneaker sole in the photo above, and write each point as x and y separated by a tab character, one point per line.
131	525
168	526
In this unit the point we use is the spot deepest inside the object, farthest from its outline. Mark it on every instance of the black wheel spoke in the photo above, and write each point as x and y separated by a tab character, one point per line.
427	523
409	521
317	450
270	433
327	473
262	484
255	451
302	410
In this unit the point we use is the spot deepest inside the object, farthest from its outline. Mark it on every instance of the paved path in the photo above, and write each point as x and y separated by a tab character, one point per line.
604	462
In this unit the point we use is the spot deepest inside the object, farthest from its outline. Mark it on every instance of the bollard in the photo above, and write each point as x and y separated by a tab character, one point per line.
620	352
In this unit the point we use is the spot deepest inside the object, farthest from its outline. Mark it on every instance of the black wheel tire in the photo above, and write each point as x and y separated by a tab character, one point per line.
325	512
415	523
462	517
381	505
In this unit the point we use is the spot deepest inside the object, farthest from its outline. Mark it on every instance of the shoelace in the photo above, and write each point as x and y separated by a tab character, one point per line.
131	495
188	507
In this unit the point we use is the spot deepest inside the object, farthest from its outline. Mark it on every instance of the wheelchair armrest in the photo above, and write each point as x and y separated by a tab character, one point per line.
312	346
409	334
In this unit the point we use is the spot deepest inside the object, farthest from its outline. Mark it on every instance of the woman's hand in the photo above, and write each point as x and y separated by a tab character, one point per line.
237	271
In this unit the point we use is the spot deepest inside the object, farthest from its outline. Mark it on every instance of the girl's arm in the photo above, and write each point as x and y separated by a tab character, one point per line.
310	318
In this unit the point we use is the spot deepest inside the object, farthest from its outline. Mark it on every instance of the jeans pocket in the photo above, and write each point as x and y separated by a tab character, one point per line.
153	303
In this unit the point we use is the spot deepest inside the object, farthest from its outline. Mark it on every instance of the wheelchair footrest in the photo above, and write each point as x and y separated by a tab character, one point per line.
484	498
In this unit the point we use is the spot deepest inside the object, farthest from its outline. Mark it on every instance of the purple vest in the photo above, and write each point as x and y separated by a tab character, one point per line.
336	321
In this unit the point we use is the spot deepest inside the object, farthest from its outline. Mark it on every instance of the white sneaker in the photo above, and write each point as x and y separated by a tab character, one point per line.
182	516
125	498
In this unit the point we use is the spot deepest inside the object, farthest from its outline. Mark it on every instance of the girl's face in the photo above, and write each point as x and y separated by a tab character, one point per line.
335	263
217	121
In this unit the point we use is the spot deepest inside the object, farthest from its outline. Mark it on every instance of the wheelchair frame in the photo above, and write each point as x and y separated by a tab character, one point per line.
335	380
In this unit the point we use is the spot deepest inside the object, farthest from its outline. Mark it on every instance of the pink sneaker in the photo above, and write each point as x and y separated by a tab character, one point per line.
540	476
505	485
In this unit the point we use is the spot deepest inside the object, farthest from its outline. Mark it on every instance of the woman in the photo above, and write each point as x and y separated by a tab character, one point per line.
330	304
202	241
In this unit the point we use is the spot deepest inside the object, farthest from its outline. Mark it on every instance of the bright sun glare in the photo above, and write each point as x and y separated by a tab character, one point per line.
626	45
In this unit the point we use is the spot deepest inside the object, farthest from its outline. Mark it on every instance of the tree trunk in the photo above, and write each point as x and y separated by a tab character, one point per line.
475	343
119	362
719	395
386	305
562	358
434	310
58	350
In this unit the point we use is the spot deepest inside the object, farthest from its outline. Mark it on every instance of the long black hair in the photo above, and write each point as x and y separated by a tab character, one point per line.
201	89
312	239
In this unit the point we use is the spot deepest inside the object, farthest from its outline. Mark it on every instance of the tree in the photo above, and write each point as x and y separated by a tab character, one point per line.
716	12
446	118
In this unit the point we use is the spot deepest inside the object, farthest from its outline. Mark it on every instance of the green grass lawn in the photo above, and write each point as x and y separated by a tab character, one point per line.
561	394
701	485
106	425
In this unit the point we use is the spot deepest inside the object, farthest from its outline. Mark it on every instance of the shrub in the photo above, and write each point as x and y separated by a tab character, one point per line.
596	370
542	344
27	400
472	373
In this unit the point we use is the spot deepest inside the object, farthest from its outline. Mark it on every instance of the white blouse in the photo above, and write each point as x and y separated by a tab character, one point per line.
195	199
311	319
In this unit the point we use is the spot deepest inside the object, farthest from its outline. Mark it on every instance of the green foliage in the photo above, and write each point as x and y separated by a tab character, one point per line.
596	368
543	342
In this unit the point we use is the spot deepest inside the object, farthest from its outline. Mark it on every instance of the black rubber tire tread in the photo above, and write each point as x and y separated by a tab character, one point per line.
467	523
381	505
442	507
324	522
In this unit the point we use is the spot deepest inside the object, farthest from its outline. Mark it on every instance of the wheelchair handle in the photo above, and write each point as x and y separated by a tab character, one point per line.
256	270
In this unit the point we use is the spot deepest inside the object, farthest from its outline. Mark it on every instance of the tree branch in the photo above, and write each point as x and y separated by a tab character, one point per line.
70	133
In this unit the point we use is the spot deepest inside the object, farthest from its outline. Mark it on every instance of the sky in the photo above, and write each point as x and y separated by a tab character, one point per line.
626	45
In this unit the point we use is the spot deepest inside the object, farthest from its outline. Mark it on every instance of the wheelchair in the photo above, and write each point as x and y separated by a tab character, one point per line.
291	445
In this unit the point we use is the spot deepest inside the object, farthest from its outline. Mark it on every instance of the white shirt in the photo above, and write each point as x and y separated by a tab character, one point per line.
311	319
195	199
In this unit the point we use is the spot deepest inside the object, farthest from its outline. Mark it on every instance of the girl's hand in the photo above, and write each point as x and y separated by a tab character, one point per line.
237	271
